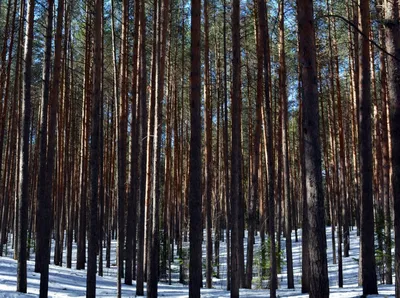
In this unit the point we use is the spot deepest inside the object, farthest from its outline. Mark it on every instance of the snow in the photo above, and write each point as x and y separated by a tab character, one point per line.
65	282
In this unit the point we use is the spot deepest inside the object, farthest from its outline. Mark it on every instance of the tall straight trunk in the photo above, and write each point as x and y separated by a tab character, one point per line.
228	221
226	161
195	204
8	188
130	271
367	248
156	166
110	183
329	191
208	148
262	23
385	160
338	177
122	126
353	170
254	187
344	211
182	210
18	173
24	153
319	282
150	142
50	157
42	205
169	181
241	208
73	145
392	29
15	112
305	256
218	214
82	225
168	189
285	146
94	152
235	151
101	146
115	156
171	185
142	138
356	113
5	118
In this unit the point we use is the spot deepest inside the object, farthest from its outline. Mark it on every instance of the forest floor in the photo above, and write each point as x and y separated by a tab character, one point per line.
65	282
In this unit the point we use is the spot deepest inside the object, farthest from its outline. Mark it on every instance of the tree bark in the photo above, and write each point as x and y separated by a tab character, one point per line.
142	138
195	204
236	151
285	146
24	154
262	23
367	248
122	133
94	153
208	149
43	206
319	282
392	29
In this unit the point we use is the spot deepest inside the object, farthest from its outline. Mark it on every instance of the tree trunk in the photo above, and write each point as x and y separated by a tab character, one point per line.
236	151
94	152
392	29
208	149
262	23
141	137
195	204
130	265
285	146
24	153
122	133
226	162
319	282
385	161
43	206
367	248
156	166
254	188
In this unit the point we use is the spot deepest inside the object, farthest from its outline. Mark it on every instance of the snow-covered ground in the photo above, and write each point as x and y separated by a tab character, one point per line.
71	282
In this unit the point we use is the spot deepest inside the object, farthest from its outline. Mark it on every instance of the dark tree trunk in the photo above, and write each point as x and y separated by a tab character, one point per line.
385	160
254	188
226	163
367	248
130	266
94	153
156	166
208	148
236	152
319	282
285	146
195	204
42	204
43	215
121	140
24	154
262	23
50	157
141	137
393	46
